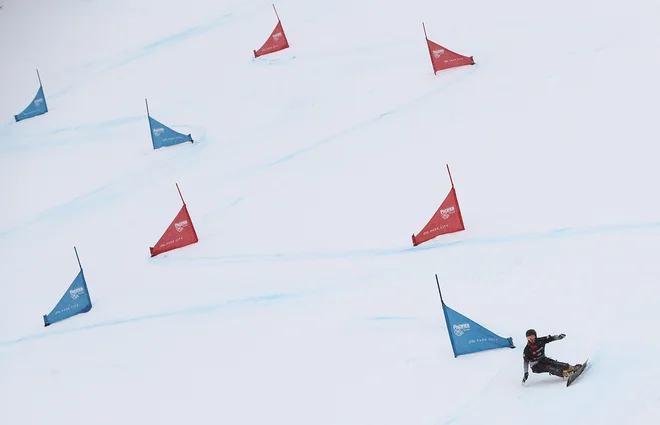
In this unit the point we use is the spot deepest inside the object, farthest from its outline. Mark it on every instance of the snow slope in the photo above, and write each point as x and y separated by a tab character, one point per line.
304	302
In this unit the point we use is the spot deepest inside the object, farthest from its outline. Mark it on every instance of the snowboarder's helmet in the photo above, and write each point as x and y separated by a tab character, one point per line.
530	332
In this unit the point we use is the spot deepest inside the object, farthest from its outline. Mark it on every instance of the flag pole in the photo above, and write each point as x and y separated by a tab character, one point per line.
444	313
439	291
83	276
151	130
177	188
460	215
427	46
276	14
450	179
39	77
77	257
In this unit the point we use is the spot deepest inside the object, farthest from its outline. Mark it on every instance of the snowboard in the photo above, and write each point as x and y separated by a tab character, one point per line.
574	376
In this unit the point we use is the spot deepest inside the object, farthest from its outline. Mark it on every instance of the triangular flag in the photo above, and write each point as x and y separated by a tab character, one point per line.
276	42
468	336
447	219
180	233
443	58
162	135
76	300
37	107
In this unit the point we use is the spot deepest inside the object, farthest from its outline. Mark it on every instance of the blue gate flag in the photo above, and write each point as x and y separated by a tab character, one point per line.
162	135
37	107
467	336
75	300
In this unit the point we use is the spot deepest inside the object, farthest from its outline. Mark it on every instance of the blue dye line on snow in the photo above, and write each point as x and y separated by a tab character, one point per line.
221	209
122	59
264	167
83	133
110	191
493	240
192	310
357	127
168	41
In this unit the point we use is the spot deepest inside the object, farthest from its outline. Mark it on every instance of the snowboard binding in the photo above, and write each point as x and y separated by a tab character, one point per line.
577	371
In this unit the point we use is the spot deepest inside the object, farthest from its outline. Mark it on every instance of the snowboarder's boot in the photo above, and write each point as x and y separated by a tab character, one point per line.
571	370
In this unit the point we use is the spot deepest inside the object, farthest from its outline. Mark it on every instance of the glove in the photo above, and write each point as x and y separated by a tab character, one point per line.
561	336
525	377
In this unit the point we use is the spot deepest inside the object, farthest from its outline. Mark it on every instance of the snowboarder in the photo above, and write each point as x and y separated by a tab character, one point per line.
534	355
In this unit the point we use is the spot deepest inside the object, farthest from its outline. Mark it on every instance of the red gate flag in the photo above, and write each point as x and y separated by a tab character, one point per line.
443	58
447	219
276	42
180	232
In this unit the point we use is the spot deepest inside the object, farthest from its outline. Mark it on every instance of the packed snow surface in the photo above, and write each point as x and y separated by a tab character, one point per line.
304	302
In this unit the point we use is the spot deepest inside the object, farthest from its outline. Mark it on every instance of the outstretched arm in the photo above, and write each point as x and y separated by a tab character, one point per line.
550	338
